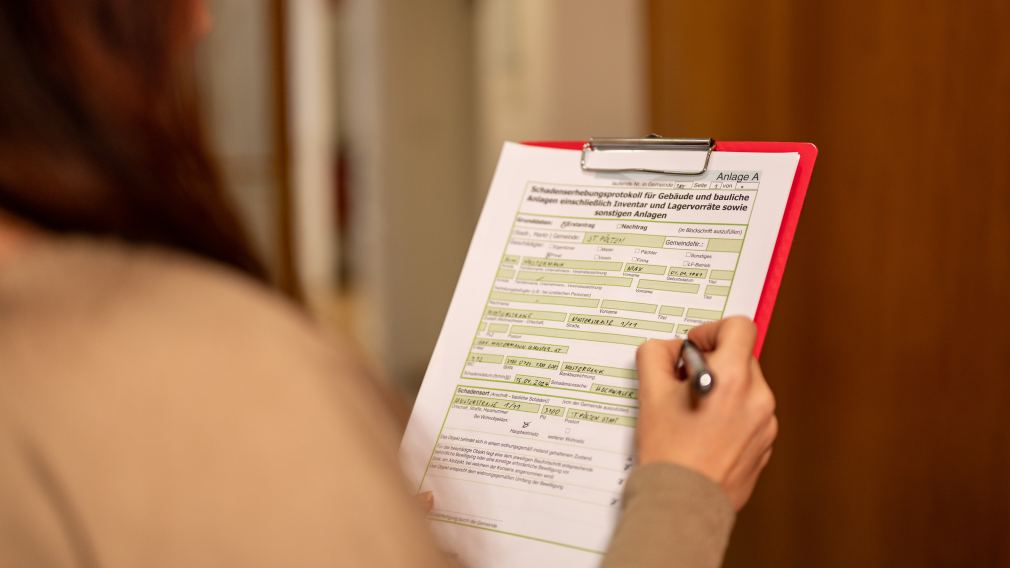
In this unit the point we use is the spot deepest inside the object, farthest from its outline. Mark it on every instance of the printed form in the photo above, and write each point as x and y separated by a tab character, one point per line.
524	422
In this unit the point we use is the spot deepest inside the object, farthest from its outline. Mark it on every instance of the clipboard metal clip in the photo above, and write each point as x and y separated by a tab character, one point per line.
652	142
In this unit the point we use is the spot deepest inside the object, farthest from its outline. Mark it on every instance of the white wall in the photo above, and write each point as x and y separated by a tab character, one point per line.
312	122
558	69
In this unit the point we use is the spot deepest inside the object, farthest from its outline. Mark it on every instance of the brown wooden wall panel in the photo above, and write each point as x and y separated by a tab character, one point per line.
889	351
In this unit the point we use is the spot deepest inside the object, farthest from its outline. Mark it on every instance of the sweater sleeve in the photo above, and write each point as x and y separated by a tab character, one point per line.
672	516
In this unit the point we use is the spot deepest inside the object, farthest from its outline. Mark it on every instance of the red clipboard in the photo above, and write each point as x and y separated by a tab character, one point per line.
790	217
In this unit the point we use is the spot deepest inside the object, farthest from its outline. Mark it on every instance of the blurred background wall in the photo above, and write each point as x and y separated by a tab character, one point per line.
431	90
237	70
889	346
269	73
359	137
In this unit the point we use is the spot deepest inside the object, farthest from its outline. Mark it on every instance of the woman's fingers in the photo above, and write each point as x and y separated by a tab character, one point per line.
762	412
762	396
732	337
764	431
426	500
655	361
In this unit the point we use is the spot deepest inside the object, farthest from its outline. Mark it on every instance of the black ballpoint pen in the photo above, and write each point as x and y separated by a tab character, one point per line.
702	379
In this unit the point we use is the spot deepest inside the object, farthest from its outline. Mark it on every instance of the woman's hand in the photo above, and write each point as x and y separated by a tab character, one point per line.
726	435
426	500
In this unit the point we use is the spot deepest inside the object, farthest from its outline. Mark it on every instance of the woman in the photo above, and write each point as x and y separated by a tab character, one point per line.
161	406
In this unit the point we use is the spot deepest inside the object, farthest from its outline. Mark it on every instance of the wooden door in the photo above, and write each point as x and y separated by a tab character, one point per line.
889	350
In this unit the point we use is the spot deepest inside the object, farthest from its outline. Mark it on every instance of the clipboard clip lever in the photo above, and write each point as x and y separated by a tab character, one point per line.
651	142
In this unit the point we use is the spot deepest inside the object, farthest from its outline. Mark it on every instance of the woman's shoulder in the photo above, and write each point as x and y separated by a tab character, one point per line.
110	272
179	403
87	313
60	283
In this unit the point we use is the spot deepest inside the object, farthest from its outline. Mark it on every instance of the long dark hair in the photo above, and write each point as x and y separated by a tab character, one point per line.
99	129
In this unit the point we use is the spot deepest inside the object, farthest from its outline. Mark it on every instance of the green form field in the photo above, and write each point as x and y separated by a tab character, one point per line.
668	286
590	369
684	328
576	264
717	290
497	403
545	299
610	390
577	334
510	259
625	323
624	239
698	313
553	410
670	311
556	277
509	344
644	268
484	358
498	327
629	306
506	273
601	417
532	381
482	326
510	313
679	272
721	275
725	245
532	363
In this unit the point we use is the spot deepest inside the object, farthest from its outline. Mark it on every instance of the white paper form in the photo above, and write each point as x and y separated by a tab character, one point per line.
523	425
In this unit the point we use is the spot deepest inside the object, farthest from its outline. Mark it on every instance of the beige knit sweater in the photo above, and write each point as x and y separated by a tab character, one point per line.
157	410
